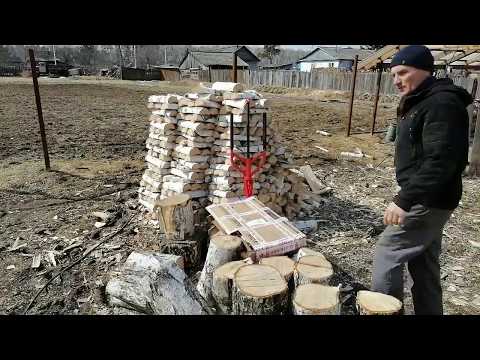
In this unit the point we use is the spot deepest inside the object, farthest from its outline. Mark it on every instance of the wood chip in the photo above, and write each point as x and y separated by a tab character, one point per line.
99	224
17	245
100	215
10	267
474	243
36	261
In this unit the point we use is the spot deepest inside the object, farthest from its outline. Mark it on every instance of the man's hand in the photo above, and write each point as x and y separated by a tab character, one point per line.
394	215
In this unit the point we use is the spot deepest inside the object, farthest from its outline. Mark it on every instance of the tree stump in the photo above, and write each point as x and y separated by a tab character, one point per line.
175	216
312	269
283	264
222	249
374	303
259	290
316	299
222	283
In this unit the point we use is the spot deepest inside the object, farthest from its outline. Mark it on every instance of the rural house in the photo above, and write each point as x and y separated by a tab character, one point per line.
221	58
332	57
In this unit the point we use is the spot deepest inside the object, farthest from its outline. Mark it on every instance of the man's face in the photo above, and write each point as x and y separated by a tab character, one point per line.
407	78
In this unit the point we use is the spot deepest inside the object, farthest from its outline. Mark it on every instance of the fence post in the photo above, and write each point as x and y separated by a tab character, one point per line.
352	95
33	67
377	95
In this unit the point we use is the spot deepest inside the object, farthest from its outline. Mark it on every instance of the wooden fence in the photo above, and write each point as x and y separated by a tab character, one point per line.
322	80
11	69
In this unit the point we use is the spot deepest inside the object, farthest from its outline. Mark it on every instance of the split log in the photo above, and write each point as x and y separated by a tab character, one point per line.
283	264
304	252
227	86
312	269
175	215
316	299
315	184
222	249
222	283
259	290
374	303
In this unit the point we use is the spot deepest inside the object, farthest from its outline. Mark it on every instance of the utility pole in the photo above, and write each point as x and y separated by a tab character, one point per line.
135	56
54	57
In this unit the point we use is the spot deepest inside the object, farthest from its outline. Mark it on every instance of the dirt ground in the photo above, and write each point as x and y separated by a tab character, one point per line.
96	132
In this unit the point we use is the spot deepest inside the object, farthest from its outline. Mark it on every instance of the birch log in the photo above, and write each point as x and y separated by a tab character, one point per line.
283	264
374	303
259	290
304	252
222	283
222	249
312	269
175	216
316	299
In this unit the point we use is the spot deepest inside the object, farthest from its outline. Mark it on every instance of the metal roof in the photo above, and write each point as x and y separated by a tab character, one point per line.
453	55
330	53
209	58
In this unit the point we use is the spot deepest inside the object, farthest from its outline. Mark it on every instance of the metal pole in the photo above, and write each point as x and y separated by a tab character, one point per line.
248	129
231	135
234	67
264	131
352	94
165	55
377	96
33	68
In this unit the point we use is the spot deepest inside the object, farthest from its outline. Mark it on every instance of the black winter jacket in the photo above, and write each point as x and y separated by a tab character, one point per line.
432	145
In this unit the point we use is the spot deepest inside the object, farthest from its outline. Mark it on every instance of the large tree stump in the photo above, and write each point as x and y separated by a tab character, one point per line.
222	249
374	303
316	299
312	269
222	283
259	290
175	216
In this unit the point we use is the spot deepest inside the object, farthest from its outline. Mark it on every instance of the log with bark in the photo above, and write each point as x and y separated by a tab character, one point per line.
222	249
374	303
316	299
222	283
175	216
312	269
259	290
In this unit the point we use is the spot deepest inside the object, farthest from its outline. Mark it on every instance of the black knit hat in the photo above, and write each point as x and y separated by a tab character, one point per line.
418	56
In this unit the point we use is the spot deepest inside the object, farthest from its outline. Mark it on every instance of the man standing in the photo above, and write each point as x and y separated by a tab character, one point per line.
431	154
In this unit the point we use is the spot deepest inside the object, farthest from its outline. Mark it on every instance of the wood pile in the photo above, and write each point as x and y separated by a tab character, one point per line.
189	152
266	287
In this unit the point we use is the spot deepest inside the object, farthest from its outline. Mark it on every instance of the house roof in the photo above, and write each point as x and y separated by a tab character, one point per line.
165	66
335	53
453	55
210	58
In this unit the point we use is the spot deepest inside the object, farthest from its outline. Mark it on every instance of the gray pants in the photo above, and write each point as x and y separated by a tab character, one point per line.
417	242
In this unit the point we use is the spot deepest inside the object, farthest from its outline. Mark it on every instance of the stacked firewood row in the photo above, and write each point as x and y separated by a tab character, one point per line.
189	152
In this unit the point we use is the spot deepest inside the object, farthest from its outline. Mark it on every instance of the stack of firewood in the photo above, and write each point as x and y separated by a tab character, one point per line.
189	152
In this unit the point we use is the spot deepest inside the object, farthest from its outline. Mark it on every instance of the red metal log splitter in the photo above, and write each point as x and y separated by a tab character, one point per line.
245	164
